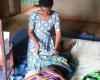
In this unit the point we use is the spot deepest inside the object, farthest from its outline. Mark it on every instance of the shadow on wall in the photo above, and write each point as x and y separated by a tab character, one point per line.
79	16
77	27
84	10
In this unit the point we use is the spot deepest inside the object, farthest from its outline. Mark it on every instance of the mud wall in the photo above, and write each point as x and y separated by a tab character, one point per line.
79	15
79	9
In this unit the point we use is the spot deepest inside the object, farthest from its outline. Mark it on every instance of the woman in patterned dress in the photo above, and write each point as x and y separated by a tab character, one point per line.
40	24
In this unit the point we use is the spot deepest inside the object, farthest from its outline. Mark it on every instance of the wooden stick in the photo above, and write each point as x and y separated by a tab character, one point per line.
3	52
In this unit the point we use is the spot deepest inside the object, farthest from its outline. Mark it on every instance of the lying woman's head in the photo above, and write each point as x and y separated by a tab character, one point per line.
52	72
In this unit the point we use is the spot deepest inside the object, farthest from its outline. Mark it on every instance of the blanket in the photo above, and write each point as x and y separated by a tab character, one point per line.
87	54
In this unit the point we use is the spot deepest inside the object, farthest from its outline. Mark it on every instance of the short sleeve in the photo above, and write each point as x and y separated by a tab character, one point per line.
32	20
57	22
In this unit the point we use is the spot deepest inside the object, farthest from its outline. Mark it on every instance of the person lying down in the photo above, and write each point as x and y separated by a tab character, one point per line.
52	72
59	60
60	69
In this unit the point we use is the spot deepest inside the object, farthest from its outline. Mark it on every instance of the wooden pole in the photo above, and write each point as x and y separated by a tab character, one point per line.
3	52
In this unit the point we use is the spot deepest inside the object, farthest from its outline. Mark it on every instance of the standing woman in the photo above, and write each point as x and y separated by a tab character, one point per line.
40	24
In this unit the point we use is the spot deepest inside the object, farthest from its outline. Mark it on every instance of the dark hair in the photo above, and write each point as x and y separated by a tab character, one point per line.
46	3
60	70
51	72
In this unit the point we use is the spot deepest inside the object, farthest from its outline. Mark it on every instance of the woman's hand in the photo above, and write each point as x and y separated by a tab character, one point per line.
56	52
57	41
34	39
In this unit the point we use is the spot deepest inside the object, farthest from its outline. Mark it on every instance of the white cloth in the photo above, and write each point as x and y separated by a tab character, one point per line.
87	53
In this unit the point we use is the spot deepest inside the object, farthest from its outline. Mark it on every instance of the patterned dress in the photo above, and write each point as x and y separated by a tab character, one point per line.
42	32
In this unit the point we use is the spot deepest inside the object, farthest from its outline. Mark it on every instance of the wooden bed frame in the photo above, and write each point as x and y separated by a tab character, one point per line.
7	60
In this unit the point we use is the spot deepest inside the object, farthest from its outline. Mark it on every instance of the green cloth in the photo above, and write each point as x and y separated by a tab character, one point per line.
34	2
92	76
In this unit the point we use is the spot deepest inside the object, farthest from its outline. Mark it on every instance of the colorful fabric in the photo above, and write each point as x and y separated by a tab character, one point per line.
92	76
43	35
47	60
51	76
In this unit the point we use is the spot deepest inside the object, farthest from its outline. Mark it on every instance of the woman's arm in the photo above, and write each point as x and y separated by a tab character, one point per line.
32	36
57	39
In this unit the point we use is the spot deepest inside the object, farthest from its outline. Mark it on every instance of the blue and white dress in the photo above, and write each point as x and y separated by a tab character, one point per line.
42	32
